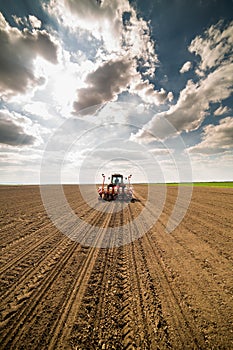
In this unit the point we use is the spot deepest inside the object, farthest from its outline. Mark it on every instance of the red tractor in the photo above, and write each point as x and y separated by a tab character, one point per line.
116	189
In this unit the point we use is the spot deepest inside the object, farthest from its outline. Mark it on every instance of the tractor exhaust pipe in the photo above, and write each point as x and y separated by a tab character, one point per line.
103	183
129	177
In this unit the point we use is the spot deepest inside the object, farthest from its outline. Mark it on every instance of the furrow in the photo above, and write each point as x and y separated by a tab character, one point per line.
15	326
31	245
45	262
18	310
72	304
183	326
189	336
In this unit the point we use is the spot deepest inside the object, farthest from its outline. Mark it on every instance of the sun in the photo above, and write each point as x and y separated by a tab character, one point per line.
61	84
64	87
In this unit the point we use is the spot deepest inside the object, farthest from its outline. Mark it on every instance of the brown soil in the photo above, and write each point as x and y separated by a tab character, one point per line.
163	291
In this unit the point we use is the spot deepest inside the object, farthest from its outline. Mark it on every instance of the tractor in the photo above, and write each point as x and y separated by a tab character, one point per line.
117	189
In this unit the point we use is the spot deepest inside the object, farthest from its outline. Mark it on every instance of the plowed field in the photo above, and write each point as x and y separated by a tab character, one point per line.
162	291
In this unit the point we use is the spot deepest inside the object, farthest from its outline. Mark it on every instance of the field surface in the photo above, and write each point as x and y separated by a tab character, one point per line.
161	291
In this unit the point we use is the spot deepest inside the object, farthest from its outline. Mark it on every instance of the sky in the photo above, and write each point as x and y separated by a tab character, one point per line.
101	86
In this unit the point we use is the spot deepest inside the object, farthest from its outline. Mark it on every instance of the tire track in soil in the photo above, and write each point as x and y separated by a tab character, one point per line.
70	307
206	290
21	226
128	312
97	323
103	318
31	229
16	262
31	245
28	264
36	272
106	313
186	332
94	317
151	330
122	298
187	322
188	335
13	324
26	225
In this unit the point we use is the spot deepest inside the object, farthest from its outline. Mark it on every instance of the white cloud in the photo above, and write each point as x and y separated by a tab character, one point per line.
103	19
17	74
186	67
212	167
113	152
19	20
30	21
216	138
147	92
214	47
39	109
221	110
137	41
194	100
161	151
22	157
34	21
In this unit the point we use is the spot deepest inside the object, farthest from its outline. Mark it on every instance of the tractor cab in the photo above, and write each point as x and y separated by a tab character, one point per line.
117	180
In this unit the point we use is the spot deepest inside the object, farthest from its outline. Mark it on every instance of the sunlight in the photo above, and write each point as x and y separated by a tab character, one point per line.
64	87
62	82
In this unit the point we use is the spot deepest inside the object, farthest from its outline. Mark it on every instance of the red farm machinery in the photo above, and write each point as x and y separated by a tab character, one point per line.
117	189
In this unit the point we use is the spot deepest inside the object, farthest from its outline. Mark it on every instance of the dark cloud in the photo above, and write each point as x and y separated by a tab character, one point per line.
12	133
105	83
18	50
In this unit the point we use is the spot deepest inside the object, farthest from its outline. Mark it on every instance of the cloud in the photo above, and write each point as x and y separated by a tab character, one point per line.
19	49
221	110
187	114
113	154
124	42
39	109
112	78
13	130
194	100
105	83
212	167
30	21
19	20
214	47
216	138
147	92
11	157
161	151
102	18
34	21
186	67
